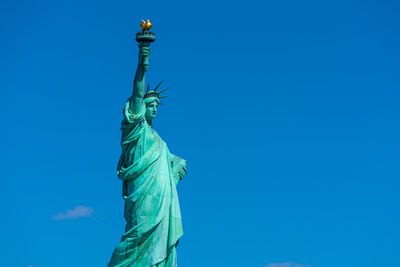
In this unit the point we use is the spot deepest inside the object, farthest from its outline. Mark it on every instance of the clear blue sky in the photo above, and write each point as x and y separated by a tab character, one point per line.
287	112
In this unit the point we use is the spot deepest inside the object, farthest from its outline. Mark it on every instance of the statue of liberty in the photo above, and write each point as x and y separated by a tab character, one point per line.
150	174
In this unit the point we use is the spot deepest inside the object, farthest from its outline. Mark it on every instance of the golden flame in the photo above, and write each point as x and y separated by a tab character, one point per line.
145	25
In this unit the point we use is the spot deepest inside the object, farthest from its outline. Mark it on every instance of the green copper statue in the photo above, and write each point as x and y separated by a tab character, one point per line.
150	174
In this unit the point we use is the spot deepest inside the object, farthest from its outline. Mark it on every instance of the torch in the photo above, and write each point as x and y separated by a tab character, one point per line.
145	37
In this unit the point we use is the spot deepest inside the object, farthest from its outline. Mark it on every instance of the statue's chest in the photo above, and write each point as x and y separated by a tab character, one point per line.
152	138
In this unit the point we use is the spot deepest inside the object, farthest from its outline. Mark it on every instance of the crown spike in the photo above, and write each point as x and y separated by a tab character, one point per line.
162	90
164	96
155	89
148	87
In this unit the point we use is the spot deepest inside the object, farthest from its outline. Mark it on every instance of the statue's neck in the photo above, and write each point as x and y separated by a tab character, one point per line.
150	122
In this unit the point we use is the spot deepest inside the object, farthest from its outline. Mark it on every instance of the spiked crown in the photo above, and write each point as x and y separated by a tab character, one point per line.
154	93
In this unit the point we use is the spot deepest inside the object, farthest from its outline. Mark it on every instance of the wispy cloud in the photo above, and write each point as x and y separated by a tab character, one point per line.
287	264
77	212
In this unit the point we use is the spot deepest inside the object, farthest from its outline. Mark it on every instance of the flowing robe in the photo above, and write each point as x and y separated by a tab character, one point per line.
149	173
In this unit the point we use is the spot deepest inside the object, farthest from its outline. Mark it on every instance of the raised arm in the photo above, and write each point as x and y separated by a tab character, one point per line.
139	81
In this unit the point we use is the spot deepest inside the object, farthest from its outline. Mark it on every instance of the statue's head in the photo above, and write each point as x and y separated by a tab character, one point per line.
152	100
151	108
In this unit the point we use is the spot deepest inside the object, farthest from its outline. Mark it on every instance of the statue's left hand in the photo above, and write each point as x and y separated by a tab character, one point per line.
182	172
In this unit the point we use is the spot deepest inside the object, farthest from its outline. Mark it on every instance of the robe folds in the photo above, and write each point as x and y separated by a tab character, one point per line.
149	173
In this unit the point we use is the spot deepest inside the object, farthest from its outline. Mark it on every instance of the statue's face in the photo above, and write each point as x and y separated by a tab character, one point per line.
151	110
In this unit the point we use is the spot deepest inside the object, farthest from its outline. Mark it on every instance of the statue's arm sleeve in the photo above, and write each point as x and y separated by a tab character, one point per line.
178	166
129	115
132	124
132	128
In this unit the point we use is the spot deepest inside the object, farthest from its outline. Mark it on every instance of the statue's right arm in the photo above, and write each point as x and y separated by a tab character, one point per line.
139	81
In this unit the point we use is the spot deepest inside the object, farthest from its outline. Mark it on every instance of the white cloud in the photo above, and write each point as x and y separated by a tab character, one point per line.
77	212
287	264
